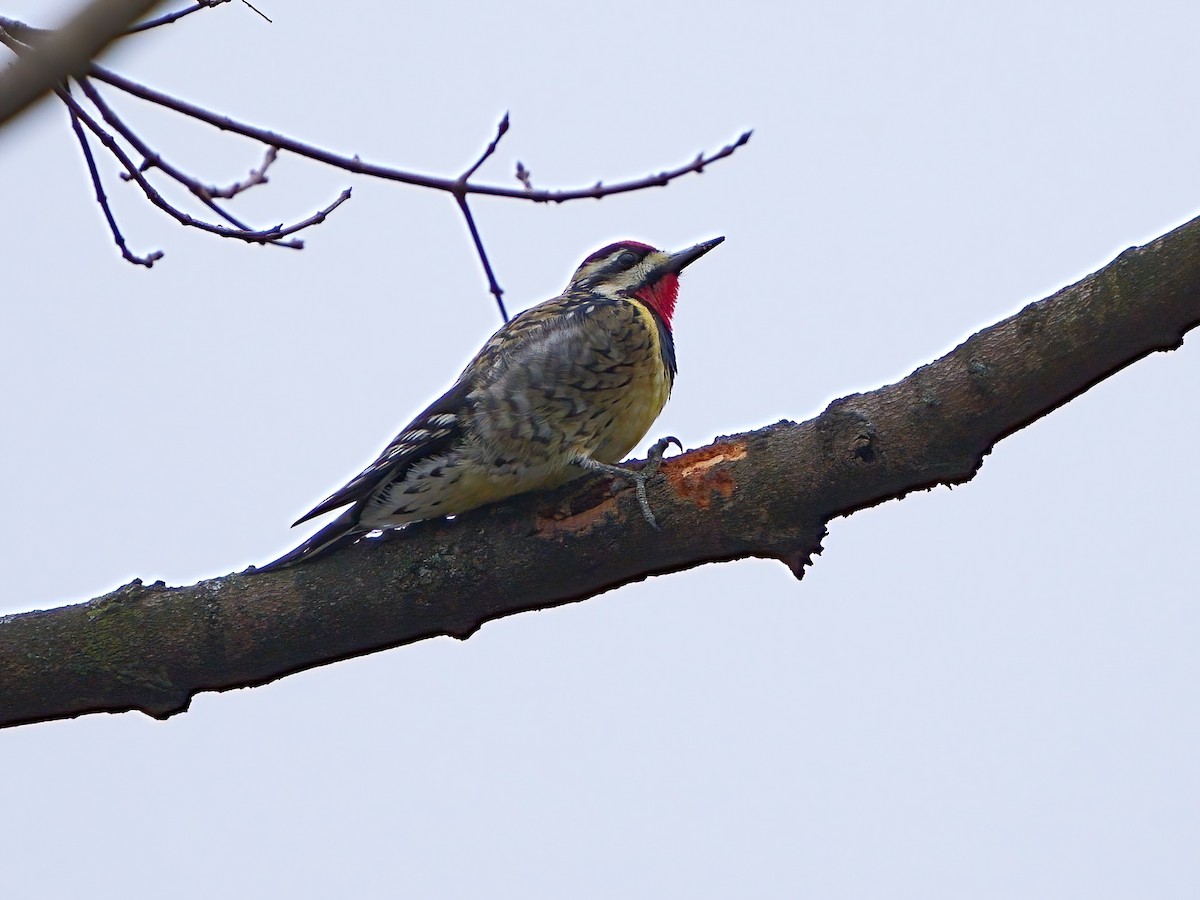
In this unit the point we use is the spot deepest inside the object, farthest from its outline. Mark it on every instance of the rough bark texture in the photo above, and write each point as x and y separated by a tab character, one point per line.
767	493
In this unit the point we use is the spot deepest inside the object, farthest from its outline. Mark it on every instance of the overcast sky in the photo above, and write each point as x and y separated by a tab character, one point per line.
990	692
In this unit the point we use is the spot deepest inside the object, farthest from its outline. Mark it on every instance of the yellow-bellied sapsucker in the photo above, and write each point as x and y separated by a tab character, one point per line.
568	386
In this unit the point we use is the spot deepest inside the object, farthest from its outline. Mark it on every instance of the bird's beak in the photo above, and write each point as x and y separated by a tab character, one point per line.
676	261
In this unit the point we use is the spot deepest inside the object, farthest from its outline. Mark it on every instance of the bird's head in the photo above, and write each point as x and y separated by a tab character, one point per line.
631	269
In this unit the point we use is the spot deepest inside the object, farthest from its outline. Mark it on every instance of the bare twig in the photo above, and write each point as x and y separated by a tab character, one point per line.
151	159
102	199
174	17
460	195
259	11
501	131
255	237
493	284
256	176
461	188
449	185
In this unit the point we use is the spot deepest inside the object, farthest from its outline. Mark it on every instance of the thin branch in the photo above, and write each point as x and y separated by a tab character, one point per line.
460	195
102	198
255	237
767	493
170	18
493	284
449	185
460	188
501	131
152	159
256	177
261	14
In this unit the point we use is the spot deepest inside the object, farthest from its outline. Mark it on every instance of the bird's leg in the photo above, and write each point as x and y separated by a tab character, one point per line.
638	476
653	463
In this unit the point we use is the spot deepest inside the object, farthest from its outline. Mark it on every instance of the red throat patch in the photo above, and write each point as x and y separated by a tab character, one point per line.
660	296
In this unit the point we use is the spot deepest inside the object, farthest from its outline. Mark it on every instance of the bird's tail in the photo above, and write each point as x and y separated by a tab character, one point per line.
339	533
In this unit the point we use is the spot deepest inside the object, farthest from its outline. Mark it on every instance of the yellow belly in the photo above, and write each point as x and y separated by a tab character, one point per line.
634	414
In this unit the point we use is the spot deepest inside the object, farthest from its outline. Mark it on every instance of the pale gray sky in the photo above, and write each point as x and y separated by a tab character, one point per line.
990	692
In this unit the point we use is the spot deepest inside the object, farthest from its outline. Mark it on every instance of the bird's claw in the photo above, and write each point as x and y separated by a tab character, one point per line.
653	463
639	477
655	456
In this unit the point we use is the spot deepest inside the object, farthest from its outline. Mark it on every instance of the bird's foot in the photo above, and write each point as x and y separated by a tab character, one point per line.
639	477
653	463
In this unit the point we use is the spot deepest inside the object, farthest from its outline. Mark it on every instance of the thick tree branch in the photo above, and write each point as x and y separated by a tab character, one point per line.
768	493
68	49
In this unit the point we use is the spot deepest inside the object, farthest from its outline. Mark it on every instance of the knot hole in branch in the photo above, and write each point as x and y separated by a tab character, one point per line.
862	448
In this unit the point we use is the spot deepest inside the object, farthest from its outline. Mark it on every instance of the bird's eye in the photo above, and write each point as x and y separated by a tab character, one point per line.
628	259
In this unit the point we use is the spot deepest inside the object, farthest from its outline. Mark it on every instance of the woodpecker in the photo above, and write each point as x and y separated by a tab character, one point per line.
566	387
